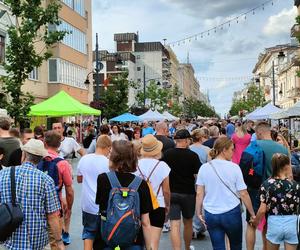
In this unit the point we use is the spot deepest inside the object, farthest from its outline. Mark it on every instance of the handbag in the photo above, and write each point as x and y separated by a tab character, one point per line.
241	204
11	215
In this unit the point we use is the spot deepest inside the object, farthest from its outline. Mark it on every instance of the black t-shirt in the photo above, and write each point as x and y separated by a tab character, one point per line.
167	142
184	164
210	142
102	195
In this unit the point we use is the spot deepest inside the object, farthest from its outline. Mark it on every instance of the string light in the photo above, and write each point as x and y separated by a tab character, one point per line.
221	26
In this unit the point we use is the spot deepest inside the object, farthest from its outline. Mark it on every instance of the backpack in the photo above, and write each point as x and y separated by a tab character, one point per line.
122	223
153	196
252	165
49	166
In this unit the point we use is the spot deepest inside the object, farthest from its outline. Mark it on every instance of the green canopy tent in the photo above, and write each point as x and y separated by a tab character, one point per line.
61	104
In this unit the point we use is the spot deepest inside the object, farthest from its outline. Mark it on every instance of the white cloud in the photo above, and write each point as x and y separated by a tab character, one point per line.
280	24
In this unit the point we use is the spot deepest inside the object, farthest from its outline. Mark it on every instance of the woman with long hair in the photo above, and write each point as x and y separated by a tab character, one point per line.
241	139
117	134
280	198
123	163
220	189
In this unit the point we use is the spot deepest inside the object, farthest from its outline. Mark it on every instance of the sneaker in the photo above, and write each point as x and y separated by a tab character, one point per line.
192	247
66	238
166	228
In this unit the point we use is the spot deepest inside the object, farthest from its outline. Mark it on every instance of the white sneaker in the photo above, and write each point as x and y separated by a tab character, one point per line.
166	228
192	247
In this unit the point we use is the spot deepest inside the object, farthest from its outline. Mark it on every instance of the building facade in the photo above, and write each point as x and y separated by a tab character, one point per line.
276	69
188	81
71	62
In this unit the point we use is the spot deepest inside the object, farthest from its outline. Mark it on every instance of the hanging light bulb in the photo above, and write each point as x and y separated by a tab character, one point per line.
237	20
263	7
229	24
253	12
201	35
215	30
195	38
245	17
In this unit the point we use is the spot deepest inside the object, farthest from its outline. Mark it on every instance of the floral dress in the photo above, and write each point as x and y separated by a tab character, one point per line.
282	197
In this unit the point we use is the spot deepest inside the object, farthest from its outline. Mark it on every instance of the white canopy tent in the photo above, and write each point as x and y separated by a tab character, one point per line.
169	116
290	112
263	113
151	116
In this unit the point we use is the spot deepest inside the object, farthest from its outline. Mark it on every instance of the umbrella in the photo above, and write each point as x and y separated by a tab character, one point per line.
126	117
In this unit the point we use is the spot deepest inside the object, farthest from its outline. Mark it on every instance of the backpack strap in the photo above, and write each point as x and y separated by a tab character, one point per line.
113	179
135	184
153	170
57	160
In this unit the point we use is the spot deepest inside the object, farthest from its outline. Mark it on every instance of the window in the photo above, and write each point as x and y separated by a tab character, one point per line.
2	48
62	71
75	38
139	80
34	74
138	57
52	64
138	68
76	5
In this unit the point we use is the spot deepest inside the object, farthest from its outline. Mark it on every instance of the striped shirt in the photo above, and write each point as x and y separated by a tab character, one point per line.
37	197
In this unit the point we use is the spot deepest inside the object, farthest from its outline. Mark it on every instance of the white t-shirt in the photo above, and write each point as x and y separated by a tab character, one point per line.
67	147
160	173
118	137
218	199
89	167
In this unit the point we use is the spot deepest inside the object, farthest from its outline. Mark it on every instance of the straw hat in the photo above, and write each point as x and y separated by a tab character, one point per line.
151	146
35	147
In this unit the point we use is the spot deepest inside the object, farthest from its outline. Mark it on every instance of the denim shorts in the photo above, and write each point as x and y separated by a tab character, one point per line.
91	226
182	204
282	228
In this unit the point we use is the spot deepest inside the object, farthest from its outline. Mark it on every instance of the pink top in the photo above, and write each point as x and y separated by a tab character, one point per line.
240	144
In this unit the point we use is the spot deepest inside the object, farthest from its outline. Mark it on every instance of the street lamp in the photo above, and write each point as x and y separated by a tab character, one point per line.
280	56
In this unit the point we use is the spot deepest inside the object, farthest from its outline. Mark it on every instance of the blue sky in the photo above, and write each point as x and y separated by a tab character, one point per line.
231	52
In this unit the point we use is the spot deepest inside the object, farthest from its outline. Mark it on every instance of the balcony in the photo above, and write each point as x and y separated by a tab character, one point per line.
295	30
294	92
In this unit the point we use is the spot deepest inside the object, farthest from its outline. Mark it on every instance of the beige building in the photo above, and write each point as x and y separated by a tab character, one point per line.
283	59
72	58
188	81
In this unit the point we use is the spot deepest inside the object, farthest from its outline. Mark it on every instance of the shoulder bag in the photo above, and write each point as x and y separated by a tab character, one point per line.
224	183
11	215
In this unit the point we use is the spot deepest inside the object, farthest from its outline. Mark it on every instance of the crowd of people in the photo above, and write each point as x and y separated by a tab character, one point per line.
139	180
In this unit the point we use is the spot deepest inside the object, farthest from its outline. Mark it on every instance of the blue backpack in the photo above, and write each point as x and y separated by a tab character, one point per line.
252	165
122	223
49	167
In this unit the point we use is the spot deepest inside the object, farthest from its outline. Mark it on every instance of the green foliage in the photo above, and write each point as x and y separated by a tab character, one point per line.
193	108
176	109
115	98
158	96
254	99
22	55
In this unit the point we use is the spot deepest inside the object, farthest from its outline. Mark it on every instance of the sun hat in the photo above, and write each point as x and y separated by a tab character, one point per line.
182	134
151	146
35	147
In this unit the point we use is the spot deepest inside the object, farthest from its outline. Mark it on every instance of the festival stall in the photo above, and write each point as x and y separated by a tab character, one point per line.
169	116
151	116
126	117
263	113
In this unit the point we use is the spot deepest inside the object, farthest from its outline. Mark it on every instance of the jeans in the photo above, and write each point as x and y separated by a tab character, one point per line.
229	223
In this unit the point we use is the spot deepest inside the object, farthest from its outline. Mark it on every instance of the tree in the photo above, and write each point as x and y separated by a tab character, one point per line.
115	98
22	55
254	99
193	108
159	97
